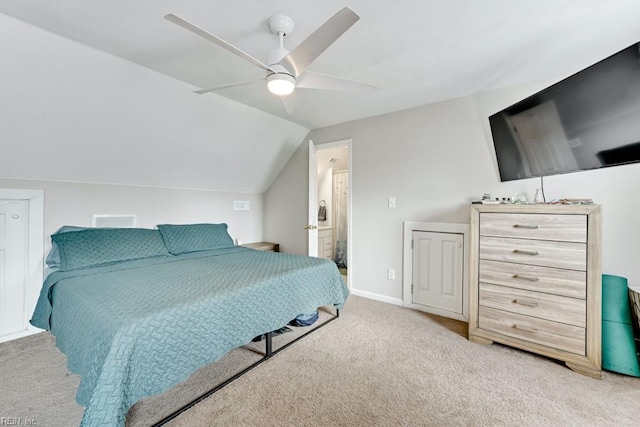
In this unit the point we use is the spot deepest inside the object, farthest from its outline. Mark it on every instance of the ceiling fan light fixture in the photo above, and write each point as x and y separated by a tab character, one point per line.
281	84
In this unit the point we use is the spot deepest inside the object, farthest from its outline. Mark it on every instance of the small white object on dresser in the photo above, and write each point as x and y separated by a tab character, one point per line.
535	281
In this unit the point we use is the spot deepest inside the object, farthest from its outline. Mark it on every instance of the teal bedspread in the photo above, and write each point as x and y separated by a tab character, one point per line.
136	328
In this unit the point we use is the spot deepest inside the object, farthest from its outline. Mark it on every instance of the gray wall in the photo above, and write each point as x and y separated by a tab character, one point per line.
435	160
74	203
286	204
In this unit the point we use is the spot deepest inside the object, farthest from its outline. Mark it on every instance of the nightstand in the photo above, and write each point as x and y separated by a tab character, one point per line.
263	246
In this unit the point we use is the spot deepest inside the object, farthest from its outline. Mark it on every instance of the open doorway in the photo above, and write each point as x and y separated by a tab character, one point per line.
333	162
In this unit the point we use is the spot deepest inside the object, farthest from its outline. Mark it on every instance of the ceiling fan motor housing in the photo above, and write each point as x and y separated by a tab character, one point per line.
274	58
280	26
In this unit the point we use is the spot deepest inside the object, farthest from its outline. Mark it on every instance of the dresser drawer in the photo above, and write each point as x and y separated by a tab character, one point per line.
544	253
545	332
537	304
325	233
557	281
566	228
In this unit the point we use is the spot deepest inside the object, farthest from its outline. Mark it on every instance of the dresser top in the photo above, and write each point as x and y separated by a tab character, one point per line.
537	208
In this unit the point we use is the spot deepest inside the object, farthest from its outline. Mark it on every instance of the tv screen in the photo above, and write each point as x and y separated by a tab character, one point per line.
588	120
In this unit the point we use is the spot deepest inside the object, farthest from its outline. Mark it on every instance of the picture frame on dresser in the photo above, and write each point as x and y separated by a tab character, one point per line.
536	279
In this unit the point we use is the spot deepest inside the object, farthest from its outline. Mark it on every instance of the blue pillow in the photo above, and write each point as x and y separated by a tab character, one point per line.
53	258
182	239
94	247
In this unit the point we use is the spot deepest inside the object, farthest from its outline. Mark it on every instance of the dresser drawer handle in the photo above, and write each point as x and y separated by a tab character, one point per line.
525	329
520	251
525	303
529	278
530	227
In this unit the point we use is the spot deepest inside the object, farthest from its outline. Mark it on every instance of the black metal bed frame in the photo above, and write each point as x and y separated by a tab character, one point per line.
269	353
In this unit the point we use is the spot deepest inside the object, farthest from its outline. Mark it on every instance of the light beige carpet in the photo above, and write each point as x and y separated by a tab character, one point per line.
378	365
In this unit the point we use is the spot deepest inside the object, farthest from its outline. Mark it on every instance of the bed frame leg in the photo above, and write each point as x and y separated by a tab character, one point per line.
269	345
269	352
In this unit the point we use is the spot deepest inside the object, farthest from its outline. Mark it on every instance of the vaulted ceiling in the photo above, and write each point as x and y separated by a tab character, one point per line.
415	51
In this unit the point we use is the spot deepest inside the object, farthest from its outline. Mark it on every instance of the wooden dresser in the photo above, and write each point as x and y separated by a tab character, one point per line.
536	281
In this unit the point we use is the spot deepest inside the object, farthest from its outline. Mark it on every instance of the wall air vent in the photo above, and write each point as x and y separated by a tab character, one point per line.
113	221
241	205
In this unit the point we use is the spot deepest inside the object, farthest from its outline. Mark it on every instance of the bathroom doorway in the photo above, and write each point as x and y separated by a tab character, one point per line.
334	207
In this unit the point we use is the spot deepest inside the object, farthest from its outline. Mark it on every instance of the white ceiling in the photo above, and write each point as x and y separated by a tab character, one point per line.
336	158
416	51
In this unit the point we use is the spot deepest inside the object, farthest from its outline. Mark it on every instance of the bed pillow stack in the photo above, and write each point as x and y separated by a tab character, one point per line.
74	248
95	247
186	238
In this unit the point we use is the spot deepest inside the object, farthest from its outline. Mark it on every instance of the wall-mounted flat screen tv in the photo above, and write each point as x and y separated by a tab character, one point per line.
588	120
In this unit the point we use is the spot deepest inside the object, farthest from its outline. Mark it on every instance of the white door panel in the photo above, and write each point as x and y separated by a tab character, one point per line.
13	266
312	225
438	270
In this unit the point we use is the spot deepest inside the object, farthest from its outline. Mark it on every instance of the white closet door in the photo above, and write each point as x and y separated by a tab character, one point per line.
13	266
437	270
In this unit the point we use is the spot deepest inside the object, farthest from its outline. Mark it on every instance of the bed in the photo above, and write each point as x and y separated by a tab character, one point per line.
136	311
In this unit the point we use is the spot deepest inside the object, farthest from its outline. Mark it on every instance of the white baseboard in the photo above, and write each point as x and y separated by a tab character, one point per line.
30	331
438	312
377	297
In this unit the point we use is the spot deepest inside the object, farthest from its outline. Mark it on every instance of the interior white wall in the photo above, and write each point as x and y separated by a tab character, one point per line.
73	203
435	160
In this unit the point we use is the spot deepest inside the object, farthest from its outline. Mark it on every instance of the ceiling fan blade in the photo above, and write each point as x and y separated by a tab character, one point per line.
311	80
311	47
215	39
215	88
290	103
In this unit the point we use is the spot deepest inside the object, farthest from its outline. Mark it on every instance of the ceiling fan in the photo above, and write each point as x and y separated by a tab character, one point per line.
287	70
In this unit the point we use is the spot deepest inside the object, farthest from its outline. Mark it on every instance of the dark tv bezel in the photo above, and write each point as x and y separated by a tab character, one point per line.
530	101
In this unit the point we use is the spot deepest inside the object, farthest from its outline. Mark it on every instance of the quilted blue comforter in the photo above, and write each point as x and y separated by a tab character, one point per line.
136	328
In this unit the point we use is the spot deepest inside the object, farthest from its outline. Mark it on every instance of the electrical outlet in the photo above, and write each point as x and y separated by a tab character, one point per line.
392	202
391	274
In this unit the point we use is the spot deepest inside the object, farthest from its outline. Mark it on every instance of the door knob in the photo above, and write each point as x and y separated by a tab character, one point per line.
16	216
310	227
